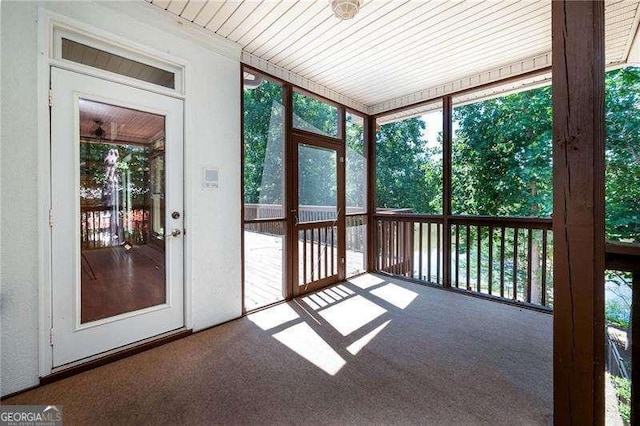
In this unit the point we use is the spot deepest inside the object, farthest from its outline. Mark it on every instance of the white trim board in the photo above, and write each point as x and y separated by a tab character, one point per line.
537	62
520	67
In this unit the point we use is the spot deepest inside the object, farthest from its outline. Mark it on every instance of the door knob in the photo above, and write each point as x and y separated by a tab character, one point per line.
174	233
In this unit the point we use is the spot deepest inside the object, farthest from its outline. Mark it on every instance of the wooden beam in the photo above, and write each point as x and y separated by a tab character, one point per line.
578	217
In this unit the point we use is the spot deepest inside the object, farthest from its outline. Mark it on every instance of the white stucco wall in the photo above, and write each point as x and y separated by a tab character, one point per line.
212	126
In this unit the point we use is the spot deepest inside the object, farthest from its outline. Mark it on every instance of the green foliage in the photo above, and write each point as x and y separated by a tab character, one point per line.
623	391
314	115
502	156
133	161
317	179
616	314
408	171
622	108
356	164
263	130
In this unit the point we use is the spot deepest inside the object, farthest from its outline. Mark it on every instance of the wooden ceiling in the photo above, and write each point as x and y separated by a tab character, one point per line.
120	125
394	48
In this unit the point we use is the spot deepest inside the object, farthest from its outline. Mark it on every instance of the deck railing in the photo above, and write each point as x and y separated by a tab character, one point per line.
306	213
95	226
264	219
509	258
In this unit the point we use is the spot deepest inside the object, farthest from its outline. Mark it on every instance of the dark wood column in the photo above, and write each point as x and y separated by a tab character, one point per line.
291	188
370	151
446	189
578	216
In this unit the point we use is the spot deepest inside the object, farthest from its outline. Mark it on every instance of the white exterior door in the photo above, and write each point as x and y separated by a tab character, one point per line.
117	215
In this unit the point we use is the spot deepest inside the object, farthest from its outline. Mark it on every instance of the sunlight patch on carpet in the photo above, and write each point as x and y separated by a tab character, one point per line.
396	295
356	346
351	314
301	339
274	316
366	281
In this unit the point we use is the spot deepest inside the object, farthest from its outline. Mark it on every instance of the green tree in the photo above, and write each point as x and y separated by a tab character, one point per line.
263	132
355	163
408	171
622	108
502	156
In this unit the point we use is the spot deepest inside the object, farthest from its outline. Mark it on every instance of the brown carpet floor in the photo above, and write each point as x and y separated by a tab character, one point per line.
437	358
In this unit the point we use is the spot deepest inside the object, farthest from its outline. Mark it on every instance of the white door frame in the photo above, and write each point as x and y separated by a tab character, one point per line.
47	22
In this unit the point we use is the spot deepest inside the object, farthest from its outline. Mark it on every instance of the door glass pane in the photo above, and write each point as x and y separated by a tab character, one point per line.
87	55
122	210
317	184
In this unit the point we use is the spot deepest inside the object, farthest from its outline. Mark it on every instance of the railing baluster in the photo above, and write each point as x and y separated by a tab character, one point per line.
438	251
93	231
479	260
411	241
457	256
319	261
490	271
332	253
312	250
515	263
502	242
429	251
326	252
420	250
304	257
378	242
543	277
386	261
402	238
529	258
407	253
383	245
397	248
468	249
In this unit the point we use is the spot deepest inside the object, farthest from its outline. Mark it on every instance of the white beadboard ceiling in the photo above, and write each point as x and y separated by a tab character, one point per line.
395	52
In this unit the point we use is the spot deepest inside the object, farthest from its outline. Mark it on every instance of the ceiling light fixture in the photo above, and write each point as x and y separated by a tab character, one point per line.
345	9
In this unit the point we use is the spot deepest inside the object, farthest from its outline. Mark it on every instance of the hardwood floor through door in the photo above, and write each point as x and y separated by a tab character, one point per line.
116	280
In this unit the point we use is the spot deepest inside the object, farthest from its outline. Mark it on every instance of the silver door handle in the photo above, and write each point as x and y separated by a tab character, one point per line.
174	233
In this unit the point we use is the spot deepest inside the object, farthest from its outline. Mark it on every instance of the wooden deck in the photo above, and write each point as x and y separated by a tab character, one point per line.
263	263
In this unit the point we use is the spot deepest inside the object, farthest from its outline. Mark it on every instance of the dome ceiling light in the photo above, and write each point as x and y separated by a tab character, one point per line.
345	9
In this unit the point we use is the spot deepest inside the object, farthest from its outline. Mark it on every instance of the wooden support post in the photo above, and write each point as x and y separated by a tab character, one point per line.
370	155
578	216
342	195
446	190
290	256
